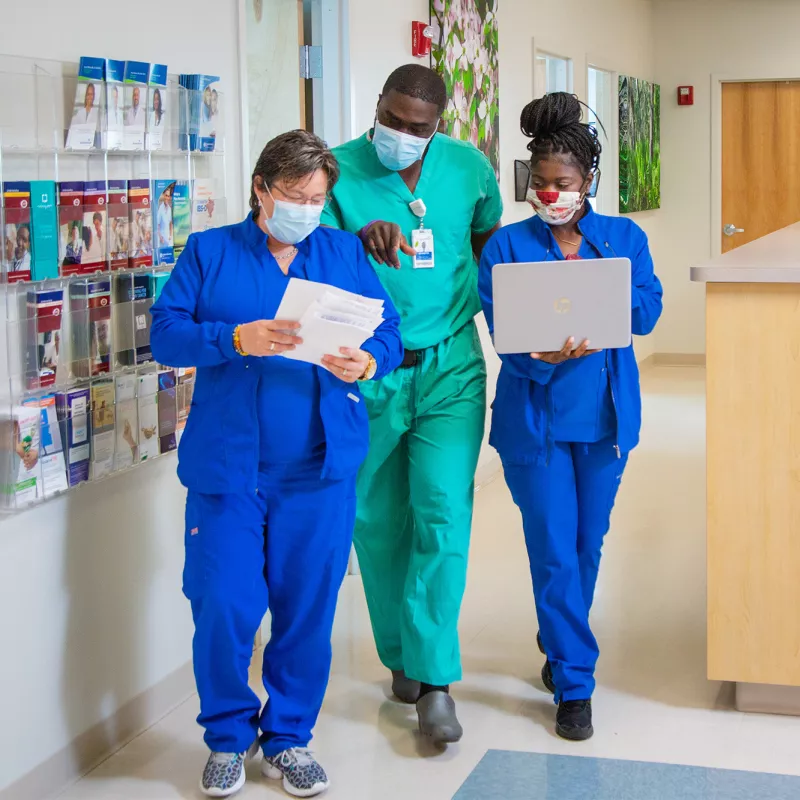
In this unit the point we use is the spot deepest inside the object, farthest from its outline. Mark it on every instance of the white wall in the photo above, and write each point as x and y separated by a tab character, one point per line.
92	612
736	38
616	35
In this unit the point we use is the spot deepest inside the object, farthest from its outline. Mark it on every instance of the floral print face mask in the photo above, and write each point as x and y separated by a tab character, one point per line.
555	208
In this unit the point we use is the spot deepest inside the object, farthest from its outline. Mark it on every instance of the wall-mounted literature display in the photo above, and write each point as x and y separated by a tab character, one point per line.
106	168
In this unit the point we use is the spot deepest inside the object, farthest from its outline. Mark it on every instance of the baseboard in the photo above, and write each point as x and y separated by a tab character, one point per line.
94	746
673	360
756	698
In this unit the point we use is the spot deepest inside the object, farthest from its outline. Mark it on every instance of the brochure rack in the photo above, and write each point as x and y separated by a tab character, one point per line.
81	398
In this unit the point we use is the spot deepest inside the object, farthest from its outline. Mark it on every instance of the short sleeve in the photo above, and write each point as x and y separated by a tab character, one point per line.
489	208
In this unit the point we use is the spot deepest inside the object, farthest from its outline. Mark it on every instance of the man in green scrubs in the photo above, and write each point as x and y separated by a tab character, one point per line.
404	186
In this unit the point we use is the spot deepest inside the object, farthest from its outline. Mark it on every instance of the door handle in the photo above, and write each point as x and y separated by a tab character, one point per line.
732	230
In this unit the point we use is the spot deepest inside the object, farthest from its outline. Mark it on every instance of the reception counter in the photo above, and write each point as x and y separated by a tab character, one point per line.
753	470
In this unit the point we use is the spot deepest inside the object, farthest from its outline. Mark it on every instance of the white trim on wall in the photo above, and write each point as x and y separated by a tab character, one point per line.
542	48
717	80
609	160
244	118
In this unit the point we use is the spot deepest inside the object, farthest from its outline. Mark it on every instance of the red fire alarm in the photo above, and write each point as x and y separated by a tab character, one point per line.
686	95
421	35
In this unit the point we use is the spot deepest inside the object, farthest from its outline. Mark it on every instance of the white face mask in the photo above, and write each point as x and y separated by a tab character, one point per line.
291	223
556	208
397	150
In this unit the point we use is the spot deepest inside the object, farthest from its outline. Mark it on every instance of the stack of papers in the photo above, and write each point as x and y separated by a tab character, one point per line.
329	318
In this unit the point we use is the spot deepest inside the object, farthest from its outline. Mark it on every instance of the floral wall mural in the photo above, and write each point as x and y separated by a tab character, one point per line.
464	53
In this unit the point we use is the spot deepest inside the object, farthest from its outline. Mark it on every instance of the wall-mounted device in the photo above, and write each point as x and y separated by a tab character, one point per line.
421	36
686	95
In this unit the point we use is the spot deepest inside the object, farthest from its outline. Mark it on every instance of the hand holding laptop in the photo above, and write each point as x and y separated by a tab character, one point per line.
566	353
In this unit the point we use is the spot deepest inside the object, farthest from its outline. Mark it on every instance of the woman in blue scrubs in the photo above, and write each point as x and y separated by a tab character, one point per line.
565	422
269	456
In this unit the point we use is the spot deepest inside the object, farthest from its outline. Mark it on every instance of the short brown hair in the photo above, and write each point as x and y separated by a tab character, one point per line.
291	157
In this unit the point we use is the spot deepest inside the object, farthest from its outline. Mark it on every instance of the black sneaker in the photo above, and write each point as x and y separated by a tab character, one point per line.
539	643
547	678
574	720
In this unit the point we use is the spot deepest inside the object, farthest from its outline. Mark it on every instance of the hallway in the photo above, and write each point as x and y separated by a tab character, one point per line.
653	702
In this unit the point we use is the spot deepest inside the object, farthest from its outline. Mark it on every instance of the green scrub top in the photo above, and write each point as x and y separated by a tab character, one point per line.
459	188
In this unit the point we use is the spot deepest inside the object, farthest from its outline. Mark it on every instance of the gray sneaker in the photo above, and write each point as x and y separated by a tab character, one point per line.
223	775
437	718
302	775
404	689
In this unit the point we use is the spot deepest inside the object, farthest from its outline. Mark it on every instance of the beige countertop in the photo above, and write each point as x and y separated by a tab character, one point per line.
771	259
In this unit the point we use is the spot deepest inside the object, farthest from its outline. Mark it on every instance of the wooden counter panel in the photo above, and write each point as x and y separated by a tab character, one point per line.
753	403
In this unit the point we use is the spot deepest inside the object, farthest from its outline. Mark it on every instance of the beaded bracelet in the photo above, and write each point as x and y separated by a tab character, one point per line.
237	341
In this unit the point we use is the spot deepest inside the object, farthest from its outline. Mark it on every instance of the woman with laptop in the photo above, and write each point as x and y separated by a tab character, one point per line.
564	422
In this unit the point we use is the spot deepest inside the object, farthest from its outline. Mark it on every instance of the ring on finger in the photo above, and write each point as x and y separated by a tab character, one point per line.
344	373
272	346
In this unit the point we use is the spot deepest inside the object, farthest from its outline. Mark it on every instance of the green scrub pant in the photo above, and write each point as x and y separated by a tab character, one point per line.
415	497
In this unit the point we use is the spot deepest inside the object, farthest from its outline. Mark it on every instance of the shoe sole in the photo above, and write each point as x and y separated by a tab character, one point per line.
452	739
575	734
274	774
237	787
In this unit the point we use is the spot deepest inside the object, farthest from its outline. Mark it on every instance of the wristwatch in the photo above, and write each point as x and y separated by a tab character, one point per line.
372	368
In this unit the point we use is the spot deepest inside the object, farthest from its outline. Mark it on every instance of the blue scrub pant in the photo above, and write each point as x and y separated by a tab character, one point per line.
566	511
285	547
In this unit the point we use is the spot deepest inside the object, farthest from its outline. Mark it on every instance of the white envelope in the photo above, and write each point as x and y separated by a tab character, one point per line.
301	294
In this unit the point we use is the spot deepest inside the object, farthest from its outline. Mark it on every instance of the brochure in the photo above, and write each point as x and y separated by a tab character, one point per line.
103	429
70	226
45	312
113	135
163	191
181	215
167	411
23	470
73	415
127	422
118	224
44	227
85	123
141	224
51	450
147	398
94	234
135	104
204	206
17	241
158	116
90	305
201	122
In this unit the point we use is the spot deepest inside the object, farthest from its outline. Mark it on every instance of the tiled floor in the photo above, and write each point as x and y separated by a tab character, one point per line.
653	702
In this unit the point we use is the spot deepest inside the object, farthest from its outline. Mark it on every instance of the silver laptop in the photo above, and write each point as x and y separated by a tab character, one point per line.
538	306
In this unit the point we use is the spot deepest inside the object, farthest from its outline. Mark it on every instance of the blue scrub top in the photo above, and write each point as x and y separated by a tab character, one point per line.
583	408
291	432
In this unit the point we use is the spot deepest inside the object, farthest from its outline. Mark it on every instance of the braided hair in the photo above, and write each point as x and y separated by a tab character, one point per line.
553	124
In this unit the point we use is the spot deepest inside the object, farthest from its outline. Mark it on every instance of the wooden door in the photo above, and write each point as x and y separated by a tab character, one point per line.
760	159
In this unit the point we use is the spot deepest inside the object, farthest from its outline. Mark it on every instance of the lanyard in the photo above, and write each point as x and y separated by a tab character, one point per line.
418	209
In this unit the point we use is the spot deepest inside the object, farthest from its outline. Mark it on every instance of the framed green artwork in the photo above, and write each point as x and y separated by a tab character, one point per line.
464	53
639	145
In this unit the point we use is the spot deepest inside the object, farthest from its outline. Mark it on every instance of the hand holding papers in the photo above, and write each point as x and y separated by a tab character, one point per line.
330	319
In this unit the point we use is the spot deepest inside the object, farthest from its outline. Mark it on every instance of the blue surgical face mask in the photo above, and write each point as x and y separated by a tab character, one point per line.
290	223
396	150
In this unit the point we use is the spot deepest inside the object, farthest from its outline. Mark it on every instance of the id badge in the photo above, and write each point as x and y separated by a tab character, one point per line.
422	242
